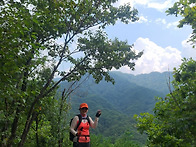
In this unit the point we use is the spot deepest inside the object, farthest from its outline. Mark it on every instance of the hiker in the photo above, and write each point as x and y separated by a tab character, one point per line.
81	134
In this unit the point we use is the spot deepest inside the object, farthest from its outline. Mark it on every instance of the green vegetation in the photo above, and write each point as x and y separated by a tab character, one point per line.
187	9
34	109
118	102
173	122
30	57
124	141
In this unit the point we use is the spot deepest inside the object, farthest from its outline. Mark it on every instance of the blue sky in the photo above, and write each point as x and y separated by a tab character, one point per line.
164	44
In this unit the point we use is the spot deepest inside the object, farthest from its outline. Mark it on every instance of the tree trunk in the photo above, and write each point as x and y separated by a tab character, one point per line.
59	129
26	129
5	125
60	142
14	128
60	139
36	133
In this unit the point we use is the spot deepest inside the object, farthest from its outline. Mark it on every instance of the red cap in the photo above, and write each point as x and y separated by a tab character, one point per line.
83	105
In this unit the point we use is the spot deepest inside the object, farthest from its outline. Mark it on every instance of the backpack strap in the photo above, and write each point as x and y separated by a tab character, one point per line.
88	119
80	120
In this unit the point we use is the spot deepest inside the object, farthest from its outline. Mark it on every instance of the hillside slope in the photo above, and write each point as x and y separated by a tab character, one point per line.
119	102
124	96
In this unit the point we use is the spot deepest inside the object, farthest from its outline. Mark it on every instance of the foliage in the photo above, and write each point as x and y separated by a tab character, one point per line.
100	141
187	9
124	141
119	101
30	57
173	122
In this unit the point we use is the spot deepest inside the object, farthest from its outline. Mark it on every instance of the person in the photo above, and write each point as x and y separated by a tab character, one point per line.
82	135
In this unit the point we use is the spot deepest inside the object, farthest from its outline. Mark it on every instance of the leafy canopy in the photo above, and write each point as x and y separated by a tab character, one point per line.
31	55
187	9
173	122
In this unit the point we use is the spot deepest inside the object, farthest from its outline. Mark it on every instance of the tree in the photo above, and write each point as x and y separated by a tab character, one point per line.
30	55
173	122
187	9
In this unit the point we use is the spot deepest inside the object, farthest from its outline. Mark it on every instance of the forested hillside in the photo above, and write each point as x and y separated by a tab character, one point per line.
154	80
67	38
119	102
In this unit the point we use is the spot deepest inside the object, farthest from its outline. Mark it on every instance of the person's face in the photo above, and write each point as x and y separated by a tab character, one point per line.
84	111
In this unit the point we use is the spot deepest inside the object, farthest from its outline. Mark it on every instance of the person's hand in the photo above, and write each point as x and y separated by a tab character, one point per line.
75	139
98	113
78	133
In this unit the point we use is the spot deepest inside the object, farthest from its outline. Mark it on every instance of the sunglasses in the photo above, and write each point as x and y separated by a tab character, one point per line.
84	108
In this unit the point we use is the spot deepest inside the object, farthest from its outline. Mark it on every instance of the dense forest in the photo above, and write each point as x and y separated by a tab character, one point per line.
35	108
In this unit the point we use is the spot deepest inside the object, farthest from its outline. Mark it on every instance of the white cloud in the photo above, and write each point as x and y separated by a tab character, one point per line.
161	6
155	58
142	19
187	50
168	25
173	25
131	2
156	4
122	2
160	20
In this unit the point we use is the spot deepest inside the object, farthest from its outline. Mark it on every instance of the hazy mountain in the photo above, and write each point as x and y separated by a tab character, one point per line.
130	94
119	102
155	80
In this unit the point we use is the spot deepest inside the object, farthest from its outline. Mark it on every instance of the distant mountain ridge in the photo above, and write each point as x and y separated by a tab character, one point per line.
154	80
128	89
128	96
132	94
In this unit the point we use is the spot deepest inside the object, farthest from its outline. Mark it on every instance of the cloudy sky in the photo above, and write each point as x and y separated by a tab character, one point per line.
164	44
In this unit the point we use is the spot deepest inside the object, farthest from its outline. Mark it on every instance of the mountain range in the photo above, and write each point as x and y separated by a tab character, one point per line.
131	94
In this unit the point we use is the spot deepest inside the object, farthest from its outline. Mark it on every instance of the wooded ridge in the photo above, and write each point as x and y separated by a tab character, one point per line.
119	102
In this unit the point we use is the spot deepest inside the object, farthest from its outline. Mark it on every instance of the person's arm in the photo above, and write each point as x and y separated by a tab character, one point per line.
95	122
73	125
